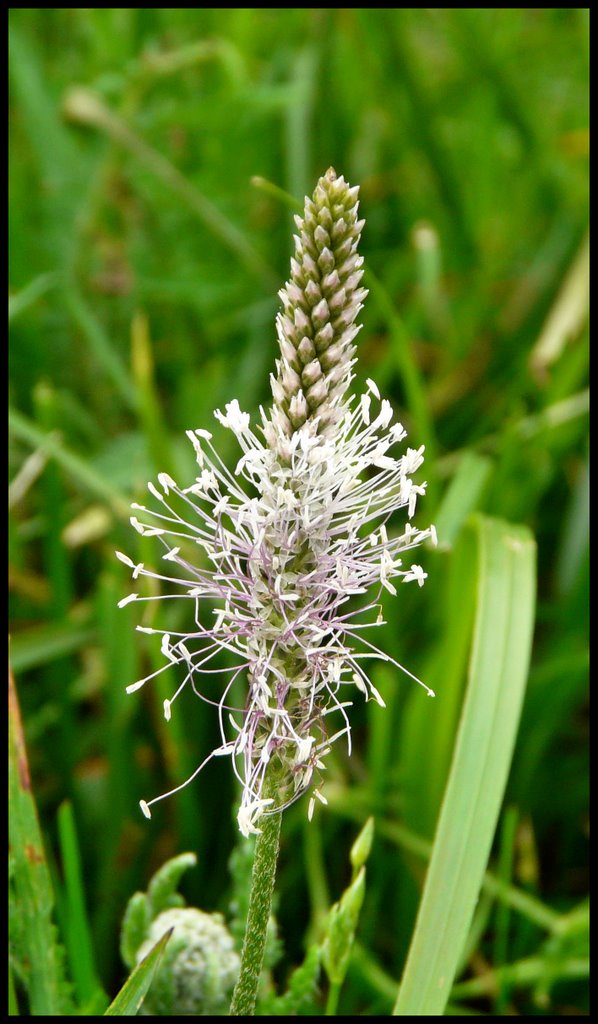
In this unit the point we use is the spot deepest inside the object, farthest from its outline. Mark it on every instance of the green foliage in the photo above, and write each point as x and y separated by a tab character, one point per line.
501	646
131	996
300	998
199	966
153	153
334	951
36	953
73	917
135	927
161	892
142	908
343	918
341	929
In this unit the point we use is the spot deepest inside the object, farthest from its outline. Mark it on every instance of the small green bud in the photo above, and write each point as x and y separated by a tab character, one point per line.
342	925
360	850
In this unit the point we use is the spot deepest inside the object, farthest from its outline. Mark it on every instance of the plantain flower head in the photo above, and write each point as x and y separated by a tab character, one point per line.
270	555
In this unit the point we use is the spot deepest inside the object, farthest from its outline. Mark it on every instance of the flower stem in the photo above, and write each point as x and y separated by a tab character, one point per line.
260	903
333	996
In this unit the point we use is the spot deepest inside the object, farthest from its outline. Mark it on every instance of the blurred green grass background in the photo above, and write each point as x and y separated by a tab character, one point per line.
147	244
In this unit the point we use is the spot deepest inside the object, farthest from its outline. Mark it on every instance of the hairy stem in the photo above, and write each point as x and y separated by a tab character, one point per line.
260	903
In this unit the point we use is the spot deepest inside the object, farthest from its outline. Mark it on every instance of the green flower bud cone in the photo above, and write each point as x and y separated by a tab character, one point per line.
198	969
321	302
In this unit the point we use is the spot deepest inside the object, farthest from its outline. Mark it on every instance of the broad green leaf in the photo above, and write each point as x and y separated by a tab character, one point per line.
432	725
497	676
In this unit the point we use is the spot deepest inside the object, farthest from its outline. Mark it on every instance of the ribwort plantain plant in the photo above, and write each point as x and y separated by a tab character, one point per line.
281	545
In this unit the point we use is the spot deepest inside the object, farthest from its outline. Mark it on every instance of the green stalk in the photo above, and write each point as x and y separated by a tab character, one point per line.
260	904
333	997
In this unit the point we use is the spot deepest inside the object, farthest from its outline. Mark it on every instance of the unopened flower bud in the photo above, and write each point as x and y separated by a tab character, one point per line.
322	299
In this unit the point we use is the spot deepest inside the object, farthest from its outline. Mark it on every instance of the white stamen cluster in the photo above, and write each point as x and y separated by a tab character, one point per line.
281	545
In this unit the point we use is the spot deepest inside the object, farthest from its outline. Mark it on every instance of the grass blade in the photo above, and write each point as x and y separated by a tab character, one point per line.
25	298
461	497
84	107
100	346
80	470
76	925
472	801
34	939
568	314
133	992
38	645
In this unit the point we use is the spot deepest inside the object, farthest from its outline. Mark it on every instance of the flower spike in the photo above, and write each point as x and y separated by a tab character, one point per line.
282	544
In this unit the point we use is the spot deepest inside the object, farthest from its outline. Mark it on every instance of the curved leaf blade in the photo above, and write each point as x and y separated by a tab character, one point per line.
480	766
134	990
